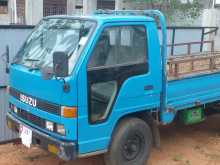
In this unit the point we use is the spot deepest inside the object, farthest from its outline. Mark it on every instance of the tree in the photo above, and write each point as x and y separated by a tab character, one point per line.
173	9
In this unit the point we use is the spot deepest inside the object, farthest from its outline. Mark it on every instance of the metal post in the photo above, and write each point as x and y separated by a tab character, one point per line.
202	39
213	46
189	48
173	41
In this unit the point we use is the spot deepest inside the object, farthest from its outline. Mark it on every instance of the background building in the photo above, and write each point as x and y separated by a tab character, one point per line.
31	11
4	12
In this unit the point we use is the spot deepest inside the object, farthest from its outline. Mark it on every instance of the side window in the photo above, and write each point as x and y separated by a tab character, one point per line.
120	53
120	45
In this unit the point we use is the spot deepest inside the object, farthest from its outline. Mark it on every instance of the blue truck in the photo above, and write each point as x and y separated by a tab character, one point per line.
102	84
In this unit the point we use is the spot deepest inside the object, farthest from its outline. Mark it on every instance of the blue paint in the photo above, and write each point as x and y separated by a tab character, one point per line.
132	97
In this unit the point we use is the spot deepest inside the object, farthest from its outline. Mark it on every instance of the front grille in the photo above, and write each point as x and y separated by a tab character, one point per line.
41	104
29	117
33	119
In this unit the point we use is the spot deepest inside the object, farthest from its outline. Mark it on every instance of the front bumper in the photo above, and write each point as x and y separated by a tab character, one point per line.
65	150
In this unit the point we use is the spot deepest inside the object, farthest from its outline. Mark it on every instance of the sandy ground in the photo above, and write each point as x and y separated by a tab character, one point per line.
181	145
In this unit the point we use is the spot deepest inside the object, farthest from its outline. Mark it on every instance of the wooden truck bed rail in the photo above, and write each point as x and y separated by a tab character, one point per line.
191	64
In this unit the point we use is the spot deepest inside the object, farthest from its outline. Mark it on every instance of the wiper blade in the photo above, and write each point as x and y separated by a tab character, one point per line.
30	59
34	68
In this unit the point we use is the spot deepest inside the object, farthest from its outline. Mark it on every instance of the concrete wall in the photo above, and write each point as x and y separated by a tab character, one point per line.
71	7
4	19
89	6
211	17
33	11
129	5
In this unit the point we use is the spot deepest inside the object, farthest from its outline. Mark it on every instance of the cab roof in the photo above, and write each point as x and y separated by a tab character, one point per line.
108	17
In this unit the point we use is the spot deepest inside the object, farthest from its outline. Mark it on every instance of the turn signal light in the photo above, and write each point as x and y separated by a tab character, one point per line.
69	112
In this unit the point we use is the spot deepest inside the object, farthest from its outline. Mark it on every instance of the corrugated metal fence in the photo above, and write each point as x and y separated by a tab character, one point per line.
5	134
14	36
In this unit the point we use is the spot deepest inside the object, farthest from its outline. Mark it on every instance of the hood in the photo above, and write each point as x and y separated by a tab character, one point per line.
32	84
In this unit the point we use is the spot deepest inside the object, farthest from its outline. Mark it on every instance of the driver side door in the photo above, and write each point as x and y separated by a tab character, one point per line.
119	53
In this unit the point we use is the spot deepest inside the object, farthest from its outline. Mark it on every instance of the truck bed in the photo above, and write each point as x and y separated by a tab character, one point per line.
193	79
194	64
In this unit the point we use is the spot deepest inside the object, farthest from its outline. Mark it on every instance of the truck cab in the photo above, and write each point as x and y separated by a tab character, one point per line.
77	81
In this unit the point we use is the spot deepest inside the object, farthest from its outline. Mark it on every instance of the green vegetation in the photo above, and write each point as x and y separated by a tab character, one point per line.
183	9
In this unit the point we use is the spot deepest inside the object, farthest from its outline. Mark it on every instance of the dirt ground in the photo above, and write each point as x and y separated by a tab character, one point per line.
181	145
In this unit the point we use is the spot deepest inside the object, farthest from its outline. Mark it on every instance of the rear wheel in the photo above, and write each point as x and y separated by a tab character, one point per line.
131	143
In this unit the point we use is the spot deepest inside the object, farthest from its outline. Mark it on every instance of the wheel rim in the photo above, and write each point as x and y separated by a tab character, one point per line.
132	147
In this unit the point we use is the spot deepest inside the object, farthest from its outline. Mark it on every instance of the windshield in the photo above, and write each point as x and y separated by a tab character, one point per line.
52	35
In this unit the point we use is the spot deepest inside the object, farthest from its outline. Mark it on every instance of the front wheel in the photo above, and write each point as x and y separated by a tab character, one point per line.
131	143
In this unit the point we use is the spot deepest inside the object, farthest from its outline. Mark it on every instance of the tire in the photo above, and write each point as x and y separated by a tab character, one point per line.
131	143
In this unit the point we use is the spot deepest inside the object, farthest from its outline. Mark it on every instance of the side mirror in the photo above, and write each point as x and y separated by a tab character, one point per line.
7	59
60	64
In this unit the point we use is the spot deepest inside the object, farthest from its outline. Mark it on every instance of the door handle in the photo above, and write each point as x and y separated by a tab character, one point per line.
148	87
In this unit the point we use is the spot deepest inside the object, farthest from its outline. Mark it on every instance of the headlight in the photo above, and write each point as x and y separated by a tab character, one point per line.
49	125
15	109
61	129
